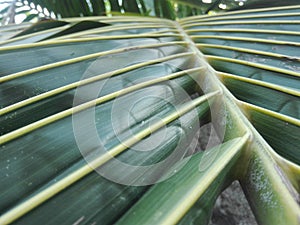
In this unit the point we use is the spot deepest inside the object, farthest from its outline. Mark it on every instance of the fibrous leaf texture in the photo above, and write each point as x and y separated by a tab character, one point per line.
100	119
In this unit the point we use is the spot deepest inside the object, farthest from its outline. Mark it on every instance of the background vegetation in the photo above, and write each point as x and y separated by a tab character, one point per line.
30	10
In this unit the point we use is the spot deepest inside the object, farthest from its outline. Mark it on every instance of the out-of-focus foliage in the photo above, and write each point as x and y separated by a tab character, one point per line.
16	11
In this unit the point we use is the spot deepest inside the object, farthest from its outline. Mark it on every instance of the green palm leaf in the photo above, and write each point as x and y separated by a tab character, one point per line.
79	100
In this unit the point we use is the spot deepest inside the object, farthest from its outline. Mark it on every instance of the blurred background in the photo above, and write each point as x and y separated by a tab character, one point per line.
18	11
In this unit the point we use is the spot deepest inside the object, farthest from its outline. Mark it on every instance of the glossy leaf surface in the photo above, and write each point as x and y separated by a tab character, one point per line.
101	125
